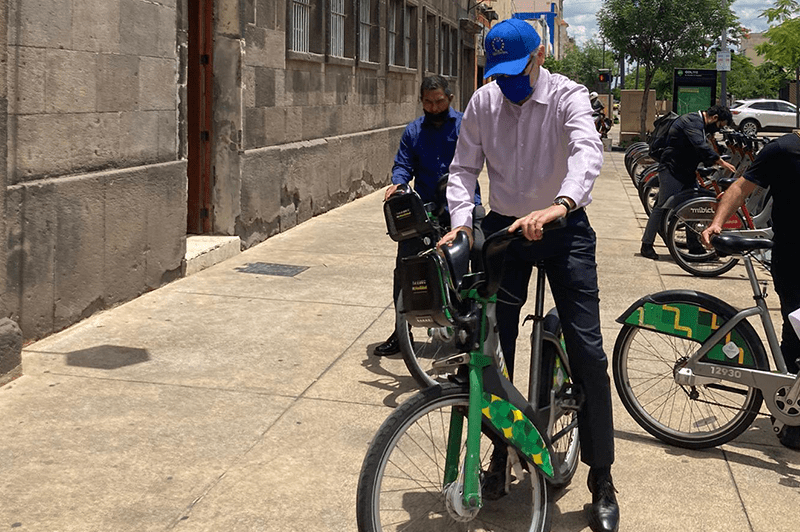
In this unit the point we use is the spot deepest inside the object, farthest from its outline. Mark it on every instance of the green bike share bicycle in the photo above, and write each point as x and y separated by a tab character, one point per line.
426	468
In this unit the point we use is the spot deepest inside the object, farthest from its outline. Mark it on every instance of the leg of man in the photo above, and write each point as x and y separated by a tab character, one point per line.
513	291
787	286
572	272
668	186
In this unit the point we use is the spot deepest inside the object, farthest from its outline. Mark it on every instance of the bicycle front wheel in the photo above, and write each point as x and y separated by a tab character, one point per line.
422	346
401	481
644	364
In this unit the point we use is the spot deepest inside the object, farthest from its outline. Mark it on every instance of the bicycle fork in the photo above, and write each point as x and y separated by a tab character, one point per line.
464	491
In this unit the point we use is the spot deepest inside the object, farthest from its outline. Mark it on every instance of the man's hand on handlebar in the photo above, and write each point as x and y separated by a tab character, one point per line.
389	191
447	240
531	225
710	231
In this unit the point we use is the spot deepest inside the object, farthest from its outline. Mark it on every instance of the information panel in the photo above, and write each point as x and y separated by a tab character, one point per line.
693	90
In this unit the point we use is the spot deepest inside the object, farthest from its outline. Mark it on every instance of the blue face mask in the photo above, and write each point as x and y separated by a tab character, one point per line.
516	88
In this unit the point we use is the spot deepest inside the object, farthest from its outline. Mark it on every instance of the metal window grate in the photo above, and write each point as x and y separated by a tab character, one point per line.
392	32
407	37
337	28
301	16
364	18
268	268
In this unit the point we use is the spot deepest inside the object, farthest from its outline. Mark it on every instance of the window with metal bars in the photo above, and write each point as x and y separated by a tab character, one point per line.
391	31
364	28
338	19
301	26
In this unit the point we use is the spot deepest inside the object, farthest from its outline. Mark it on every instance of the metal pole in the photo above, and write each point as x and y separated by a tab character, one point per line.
723	86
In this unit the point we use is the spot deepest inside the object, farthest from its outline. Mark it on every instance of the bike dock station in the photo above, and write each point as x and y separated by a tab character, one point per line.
243	397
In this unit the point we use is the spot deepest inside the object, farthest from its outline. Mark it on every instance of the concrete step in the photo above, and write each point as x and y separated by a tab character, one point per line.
203	251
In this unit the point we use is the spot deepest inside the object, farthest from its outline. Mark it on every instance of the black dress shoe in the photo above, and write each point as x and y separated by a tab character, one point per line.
390	347
648	252
790	437
604	513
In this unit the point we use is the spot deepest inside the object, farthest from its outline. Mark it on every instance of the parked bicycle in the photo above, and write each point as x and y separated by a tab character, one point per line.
693	372
408	218
425	466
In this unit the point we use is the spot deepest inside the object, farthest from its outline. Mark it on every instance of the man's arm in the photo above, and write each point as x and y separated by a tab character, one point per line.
731	200
403	169
585	149
464	169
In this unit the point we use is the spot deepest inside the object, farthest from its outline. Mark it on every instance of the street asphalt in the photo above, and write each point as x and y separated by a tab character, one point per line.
243	397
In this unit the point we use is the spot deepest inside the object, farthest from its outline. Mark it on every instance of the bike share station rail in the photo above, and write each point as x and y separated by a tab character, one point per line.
237	399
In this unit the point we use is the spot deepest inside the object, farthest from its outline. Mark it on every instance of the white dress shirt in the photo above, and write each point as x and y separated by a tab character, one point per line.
534	152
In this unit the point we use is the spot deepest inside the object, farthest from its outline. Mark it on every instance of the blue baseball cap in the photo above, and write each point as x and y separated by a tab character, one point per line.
508	46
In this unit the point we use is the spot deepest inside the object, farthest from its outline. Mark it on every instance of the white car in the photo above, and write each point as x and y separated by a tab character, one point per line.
752	116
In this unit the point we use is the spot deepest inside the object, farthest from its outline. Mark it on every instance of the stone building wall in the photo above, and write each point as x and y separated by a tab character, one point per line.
94	175
95	196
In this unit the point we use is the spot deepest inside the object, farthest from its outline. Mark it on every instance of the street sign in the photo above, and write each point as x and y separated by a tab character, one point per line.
723	61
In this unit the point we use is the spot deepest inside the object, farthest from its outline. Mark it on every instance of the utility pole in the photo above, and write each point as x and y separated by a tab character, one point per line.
723	85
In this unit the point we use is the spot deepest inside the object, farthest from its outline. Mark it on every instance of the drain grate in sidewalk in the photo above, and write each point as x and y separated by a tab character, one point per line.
268	268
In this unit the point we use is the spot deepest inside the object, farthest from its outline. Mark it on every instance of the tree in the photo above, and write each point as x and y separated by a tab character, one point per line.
783	45
655	32
581	64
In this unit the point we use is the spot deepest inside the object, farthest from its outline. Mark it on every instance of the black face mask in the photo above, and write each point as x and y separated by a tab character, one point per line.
437	117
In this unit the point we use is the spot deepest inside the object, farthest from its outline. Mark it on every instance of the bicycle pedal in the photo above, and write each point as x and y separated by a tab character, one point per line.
570	397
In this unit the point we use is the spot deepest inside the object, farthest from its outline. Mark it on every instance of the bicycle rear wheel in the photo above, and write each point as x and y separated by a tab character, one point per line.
422	346
644	365
556	376
683	242
400	485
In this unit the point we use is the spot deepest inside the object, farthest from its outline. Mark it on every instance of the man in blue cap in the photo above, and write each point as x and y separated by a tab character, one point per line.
535	133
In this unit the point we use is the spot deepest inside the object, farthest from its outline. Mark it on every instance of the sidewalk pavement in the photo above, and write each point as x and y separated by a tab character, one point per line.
239	400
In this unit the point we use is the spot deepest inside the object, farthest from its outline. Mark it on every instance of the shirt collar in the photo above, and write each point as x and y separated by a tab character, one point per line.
541	93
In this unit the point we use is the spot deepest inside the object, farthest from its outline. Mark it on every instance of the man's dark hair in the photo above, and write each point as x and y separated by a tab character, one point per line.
431	83
722	113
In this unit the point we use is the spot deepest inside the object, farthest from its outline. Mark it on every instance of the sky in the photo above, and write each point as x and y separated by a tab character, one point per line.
581	17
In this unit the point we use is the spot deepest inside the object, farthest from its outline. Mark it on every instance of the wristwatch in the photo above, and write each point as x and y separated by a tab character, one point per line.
564	202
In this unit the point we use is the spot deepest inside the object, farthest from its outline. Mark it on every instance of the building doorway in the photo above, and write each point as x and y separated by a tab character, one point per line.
199	96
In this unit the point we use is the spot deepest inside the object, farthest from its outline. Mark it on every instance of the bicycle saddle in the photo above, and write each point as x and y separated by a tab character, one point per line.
456	257
736	245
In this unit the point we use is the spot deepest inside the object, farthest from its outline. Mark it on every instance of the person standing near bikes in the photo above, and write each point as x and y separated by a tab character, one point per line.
777	166
687	146
534	130
426	149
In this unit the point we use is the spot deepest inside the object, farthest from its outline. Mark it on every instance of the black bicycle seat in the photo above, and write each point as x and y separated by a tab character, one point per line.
736	245
726	182
456	256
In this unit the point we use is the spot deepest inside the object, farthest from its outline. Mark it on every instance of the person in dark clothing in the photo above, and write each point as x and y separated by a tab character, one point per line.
426	149
776	166
687	146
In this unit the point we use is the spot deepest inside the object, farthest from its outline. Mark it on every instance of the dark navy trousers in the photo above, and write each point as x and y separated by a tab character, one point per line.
568	257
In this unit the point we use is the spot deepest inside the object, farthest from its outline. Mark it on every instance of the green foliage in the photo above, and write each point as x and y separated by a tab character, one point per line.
656	33
581	64
783	44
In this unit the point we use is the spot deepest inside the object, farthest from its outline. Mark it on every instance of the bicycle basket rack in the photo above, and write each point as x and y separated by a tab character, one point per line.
406	216
426	283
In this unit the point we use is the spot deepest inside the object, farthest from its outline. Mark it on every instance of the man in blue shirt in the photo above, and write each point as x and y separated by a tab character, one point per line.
426	149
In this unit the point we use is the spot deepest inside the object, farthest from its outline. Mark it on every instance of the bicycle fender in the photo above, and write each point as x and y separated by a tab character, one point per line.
686	195
685	314
510	416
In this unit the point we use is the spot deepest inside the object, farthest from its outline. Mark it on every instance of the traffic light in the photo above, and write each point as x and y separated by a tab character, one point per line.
604	77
